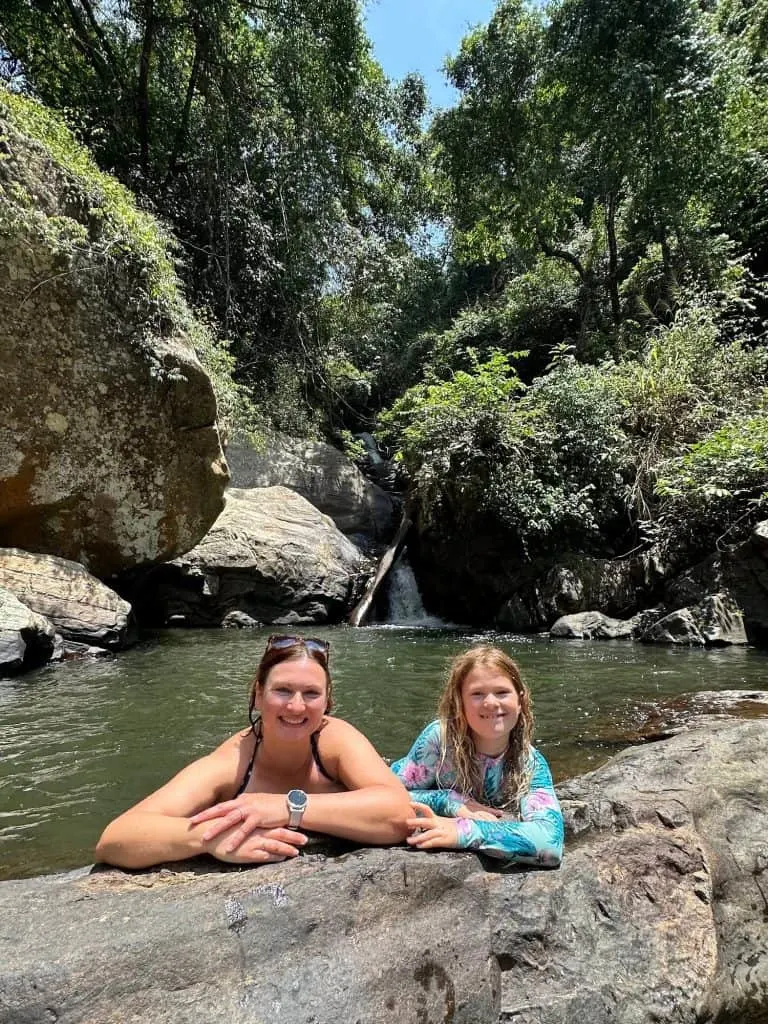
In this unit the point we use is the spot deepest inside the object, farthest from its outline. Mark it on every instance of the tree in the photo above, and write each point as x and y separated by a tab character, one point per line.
262	131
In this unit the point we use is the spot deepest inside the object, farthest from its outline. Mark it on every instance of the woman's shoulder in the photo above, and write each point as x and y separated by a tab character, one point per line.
336	734
234	754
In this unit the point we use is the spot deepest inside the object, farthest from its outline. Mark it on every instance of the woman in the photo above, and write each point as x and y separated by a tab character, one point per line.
476	781
296	766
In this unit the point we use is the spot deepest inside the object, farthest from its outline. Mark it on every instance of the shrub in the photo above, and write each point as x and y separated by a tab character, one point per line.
548	463
719	487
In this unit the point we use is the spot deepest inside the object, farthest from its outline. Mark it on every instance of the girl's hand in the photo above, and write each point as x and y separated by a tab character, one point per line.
262	846
248	812
478	811
429	831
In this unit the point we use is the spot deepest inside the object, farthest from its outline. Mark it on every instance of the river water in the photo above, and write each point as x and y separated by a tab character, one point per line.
82	741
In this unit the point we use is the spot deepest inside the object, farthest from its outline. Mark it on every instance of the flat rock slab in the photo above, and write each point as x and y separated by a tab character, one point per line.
361	938
657	914
591	626
80	607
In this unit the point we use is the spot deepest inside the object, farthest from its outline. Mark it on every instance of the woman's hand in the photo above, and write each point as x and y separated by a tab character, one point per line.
249	811
262	846
478	811
429	831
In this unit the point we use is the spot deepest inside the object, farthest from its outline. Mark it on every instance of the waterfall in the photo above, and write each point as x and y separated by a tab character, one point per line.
404	607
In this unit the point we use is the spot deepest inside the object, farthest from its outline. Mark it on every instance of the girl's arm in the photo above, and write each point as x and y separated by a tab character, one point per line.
418	773
536	839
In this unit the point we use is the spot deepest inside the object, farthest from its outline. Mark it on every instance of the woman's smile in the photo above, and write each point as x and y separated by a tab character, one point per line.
294	696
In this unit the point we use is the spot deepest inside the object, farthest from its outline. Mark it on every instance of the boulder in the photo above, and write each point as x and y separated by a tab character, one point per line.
80	607
742	571
715	621
321	474
270	557
26	638
655	915
618	588
109	450
699	800
592	626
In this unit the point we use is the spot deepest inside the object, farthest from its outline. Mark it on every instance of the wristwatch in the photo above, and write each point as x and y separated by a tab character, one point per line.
297	804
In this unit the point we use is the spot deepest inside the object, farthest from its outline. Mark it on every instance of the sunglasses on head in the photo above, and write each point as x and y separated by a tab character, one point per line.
280	642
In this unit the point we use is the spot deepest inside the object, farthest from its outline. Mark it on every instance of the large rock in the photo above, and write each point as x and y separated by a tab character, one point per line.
742	571
617	588
109	451
702	799
270	557
714	622
26	638
657	914
80	607
321	474
591	626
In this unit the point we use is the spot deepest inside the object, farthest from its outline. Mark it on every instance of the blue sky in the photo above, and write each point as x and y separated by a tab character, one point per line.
417	35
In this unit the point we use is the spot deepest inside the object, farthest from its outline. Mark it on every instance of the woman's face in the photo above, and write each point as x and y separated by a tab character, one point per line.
293	699
491	707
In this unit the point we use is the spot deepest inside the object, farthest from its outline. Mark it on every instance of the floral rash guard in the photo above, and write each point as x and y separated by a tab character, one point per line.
536	838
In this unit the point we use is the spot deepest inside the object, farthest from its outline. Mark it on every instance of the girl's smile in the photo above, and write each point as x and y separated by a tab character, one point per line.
491	707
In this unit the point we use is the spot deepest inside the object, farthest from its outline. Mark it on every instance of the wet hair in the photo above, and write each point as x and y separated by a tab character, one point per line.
276	656
456	739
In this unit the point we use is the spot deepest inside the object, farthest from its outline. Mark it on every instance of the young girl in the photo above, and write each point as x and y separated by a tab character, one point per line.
475	765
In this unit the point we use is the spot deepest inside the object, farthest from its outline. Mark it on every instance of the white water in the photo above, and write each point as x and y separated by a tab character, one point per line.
404	605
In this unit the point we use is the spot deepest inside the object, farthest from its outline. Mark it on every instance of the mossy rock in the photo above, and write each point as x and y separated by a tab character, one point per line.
109	448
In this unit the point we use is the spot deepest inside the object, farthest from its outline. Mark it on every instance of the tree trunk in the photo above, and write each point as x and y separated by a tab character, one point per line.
142	100
613	258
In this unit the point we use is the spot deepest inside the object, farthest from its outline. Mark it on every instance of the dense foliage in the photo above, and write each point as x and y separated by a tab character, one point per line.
263	133
605	171
551	299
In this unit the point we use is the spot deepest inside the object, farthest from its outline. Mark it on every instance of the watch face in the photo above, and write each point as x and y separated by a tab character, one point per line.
297	799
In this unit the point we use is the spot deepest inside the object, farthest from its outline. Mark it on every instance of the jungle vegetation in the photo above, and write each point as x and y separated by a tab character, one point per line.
548	300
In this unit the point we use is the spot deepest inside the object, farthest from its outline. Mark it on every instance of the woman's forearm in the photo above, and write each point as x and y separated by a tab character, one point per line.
141	839
374	814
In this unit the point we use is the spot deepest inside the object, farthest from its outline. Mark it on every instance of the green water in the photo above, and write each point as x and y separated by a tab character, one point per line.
82	741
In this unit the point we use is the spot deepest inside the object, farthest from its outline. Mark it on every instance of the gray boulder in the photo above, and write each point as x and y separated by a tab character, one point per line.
109	450
655	915
742	571
78	605
715	621
270	557
321	474
592	626
26	638
618	588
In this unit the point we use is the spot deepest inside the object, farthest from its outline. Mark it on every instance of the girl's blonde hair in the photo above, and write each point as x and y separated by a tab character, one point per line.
456	740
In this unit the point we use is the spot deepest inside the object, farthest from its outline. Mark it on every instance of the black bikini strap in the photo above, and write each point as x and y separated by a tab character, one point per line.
318	759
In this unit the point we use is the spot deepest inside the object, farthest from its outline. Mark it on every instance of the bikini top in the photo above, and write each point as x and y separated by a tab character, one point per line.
315	755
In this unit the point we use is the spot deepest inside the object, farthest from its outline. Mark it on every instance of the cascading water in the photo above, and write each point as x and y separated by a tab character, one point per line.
404	606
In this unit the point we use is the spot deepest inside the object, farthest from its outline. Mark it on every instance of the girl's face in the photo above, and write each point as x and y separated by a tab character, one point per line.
293	699
491	707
